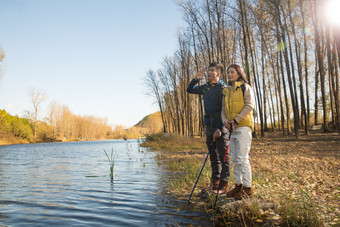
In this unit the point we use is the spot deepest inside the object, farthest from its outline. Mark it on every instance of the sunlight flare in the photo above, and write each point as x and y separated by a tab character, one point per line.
332	12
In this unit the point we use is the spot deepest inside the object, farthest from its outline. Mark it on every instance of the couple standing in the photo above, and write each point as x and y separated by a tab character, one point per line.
228	109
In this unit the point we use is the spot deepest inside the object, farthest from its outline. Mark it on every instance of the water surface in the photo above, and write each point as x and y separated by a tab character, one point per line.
69	184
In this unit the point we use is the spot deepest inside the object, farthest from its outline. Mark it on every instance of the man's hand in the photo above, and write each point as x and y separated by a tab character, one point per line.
200	74
217	134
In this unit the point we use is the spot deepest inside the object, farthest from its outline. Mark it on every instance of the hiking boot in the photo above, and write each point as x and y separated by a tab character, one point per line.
215	181
213	184
222	188
244	193
235	190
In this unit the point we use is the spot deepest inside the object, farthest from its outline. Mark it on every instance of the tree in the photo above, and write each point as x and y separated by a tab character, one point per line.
270	40
151	82
318	31
54	118
37	97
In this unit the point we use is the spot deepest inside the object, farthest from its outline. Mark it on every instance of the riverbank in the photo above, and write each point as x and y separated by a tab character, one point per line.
9	139
300	177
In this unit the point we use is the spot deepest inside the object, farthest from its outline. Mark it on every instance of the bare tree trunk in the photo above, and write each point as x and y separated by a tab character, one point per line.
244	35
285	94
299	65
291	89
280	67
277	94
330	74
253	63
336	86
294	90
321	66
316	108
307	119
272	107
264	86
257	87
198	66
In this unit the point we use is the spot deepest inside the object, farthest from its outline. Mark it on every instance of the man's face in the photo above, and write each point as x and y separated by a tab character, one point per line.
213	75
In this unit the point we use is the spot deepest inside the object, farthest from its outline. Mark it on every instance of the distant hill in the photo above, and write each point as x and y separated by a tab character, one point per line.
151	123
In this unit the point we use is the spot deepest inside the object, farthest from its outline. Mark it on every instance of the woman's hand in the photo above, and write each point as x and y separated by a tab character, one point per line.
229	124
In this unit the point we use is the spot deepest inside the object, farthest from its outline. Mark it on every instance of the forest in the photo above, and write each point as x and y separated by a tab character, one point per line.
289	50
64	126
61	124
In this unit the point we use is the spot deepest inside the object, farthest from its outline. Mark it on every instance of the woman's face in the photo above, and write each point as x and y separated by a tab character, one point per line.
232	75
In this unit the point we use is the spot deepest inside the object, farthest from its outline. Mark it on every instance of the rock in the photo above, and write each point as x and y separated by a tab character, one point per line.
230	203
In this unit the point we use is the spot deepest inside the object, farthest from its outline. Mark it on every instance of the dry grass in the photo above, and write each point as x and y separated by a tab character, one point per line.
301	177
8	139
166	142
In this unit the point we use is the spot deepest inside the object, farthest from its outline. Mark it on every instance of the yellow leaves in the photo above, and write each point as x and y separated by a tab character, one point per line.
258	220
336	192
305	169
276	217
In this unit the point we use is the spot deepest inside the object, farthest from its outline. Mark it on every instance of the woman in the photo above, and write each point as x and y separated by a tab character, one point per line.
237	113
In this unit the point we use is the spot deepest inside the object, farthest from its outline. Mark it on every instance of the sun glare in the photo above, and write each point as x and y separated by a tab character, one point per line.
332	12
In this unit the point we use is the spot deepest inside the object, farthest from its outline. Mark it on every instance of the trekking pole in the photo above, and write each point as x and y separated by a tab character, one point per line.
200	173
225	158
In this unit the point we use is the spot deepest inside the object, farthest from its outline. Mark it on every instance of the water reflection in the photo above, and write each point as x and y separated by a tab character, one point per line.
69	183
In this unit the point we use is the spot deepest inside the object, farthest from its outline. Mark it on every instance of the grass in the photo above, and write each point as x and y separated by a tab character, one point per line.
188	172
8	139
300	177
111	161
300	209
161	141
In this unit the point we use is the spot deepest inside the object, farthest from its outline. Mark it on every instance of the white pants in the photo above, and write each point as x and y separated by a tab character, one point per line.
240	143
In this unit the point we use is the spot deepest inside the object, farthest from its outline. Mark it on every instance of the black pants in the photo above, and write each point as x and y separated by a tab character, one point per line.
217	149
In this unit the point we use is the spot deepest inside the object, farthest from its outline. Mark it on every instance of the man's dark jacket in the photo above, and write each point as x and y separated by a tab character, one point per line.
212	96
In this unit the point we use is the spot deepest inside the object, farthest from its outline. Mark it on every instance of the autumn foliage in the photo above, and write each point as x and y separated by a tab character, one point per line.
63	125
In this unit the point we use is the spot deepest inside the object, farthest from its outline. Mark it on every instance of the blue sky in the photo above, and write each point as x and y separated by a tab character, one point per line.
90	55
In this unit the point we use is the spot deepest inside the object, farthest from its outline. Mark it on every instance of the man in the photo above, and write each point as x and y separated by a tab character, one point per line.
216	134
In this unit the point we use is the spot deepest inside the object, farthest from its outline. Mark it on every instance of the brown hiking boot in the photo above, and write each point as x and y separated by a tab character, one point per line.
244	193
235	190
215	181
222	188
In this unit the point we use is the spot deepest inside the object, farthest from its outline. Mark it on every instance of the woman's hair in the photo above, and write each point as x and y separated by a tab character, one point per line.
241	74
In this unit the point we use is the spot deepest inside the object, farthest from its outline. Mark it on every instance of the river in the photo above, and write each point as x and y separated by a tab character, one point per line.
69	184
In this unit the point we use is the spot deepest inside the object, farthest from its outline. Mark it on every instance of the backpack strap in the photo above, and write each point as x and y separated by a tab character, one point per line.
243	87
